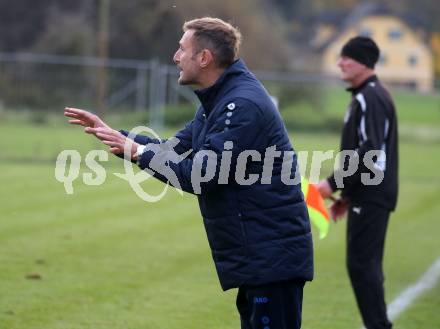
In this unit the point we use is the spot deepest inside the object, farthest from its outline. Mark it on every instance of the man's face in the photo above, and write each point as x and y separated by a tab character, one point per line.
186	60
351	70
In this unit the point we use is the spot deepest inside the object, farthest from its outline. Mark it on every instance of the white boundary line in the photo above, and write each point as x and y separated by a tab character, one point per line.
427	281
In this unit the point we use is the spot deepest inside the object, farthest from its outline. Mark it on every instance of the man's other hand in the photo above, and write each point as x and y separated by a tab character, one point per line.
114	139
324	189
94	125
338	209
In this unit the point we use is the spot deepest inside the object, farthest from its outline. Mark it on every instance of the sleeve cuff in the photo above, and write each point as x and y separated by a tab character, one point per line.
140	139
140	150
124	132
331	181
148	152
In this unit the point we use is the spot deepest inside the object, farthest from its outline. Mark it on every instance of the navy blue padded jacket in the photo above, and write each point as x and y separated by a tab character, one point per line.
259	232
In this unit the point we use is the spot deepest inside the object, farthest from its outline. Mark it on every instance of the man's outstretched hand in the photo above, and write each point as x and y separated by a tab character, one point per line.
94	125
114	139
84	118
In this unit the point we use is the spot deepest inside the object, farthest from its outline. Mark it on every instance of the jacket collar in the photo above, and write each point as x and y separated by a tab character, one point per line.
208	96
354	91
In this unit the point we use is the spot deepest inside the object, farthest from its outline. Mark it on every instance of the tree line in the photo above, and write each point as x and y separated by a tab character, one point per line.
274	30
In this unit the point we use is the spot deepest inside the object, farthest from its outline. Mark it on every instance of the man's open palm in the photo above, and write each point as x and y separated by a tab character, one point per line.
84	118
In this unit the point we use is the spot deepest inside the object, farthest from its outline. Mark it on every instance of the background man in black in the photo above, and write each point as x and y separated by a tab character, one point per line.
370	124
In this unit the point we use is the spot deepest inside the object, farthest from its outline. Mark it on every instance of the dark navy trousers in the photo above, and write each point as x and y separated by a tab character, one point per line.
271	306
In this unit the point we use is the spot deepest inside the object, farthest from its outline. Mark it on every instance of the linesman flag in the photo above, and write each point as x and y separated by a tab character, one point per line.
318	213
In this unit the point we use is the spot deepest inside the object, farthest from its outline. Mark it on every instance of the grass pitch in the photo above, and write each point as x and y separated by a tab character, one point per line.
104	259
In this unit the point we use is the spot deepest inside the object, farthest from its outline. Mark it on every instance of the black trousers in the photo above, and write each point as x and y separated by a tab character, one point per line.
271	306
366	231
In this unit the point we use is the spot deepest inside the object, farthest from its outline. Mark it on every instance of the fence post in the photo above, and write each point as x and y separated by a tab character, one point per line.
141	98
173	95
158	82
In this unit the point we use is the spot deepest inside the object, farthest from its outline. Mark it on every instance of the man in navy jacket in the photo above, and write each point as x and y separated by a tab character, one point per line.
241	166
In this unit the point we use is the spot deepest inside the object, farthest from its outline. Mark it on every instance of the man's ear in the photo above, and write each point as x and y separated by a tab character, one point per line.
206	58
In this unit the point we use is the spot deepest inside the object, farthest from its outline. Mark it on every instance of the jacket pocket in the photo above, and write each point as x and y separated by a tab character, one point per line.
227	232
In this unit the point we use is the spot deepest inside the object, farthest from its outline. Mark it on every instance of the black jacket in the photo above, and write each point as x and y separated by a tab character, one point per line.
258	233
371	124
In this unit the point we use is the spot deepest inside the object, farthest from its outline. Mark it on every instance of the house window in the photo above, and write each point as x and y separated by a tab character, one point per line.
395	33
365	32
412	60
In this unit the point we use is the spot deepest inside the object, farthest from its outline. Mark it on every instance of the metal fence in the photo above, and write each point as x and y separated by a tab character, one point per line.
42	82
48	82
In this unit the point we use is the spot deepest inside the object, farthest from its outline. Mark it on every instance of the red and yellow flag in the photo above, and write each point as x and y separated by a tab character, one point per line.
318	213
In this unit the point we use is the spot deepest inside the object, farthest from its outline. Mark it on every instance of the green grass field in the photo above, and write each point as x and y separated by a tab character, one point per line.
108	260
419	115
